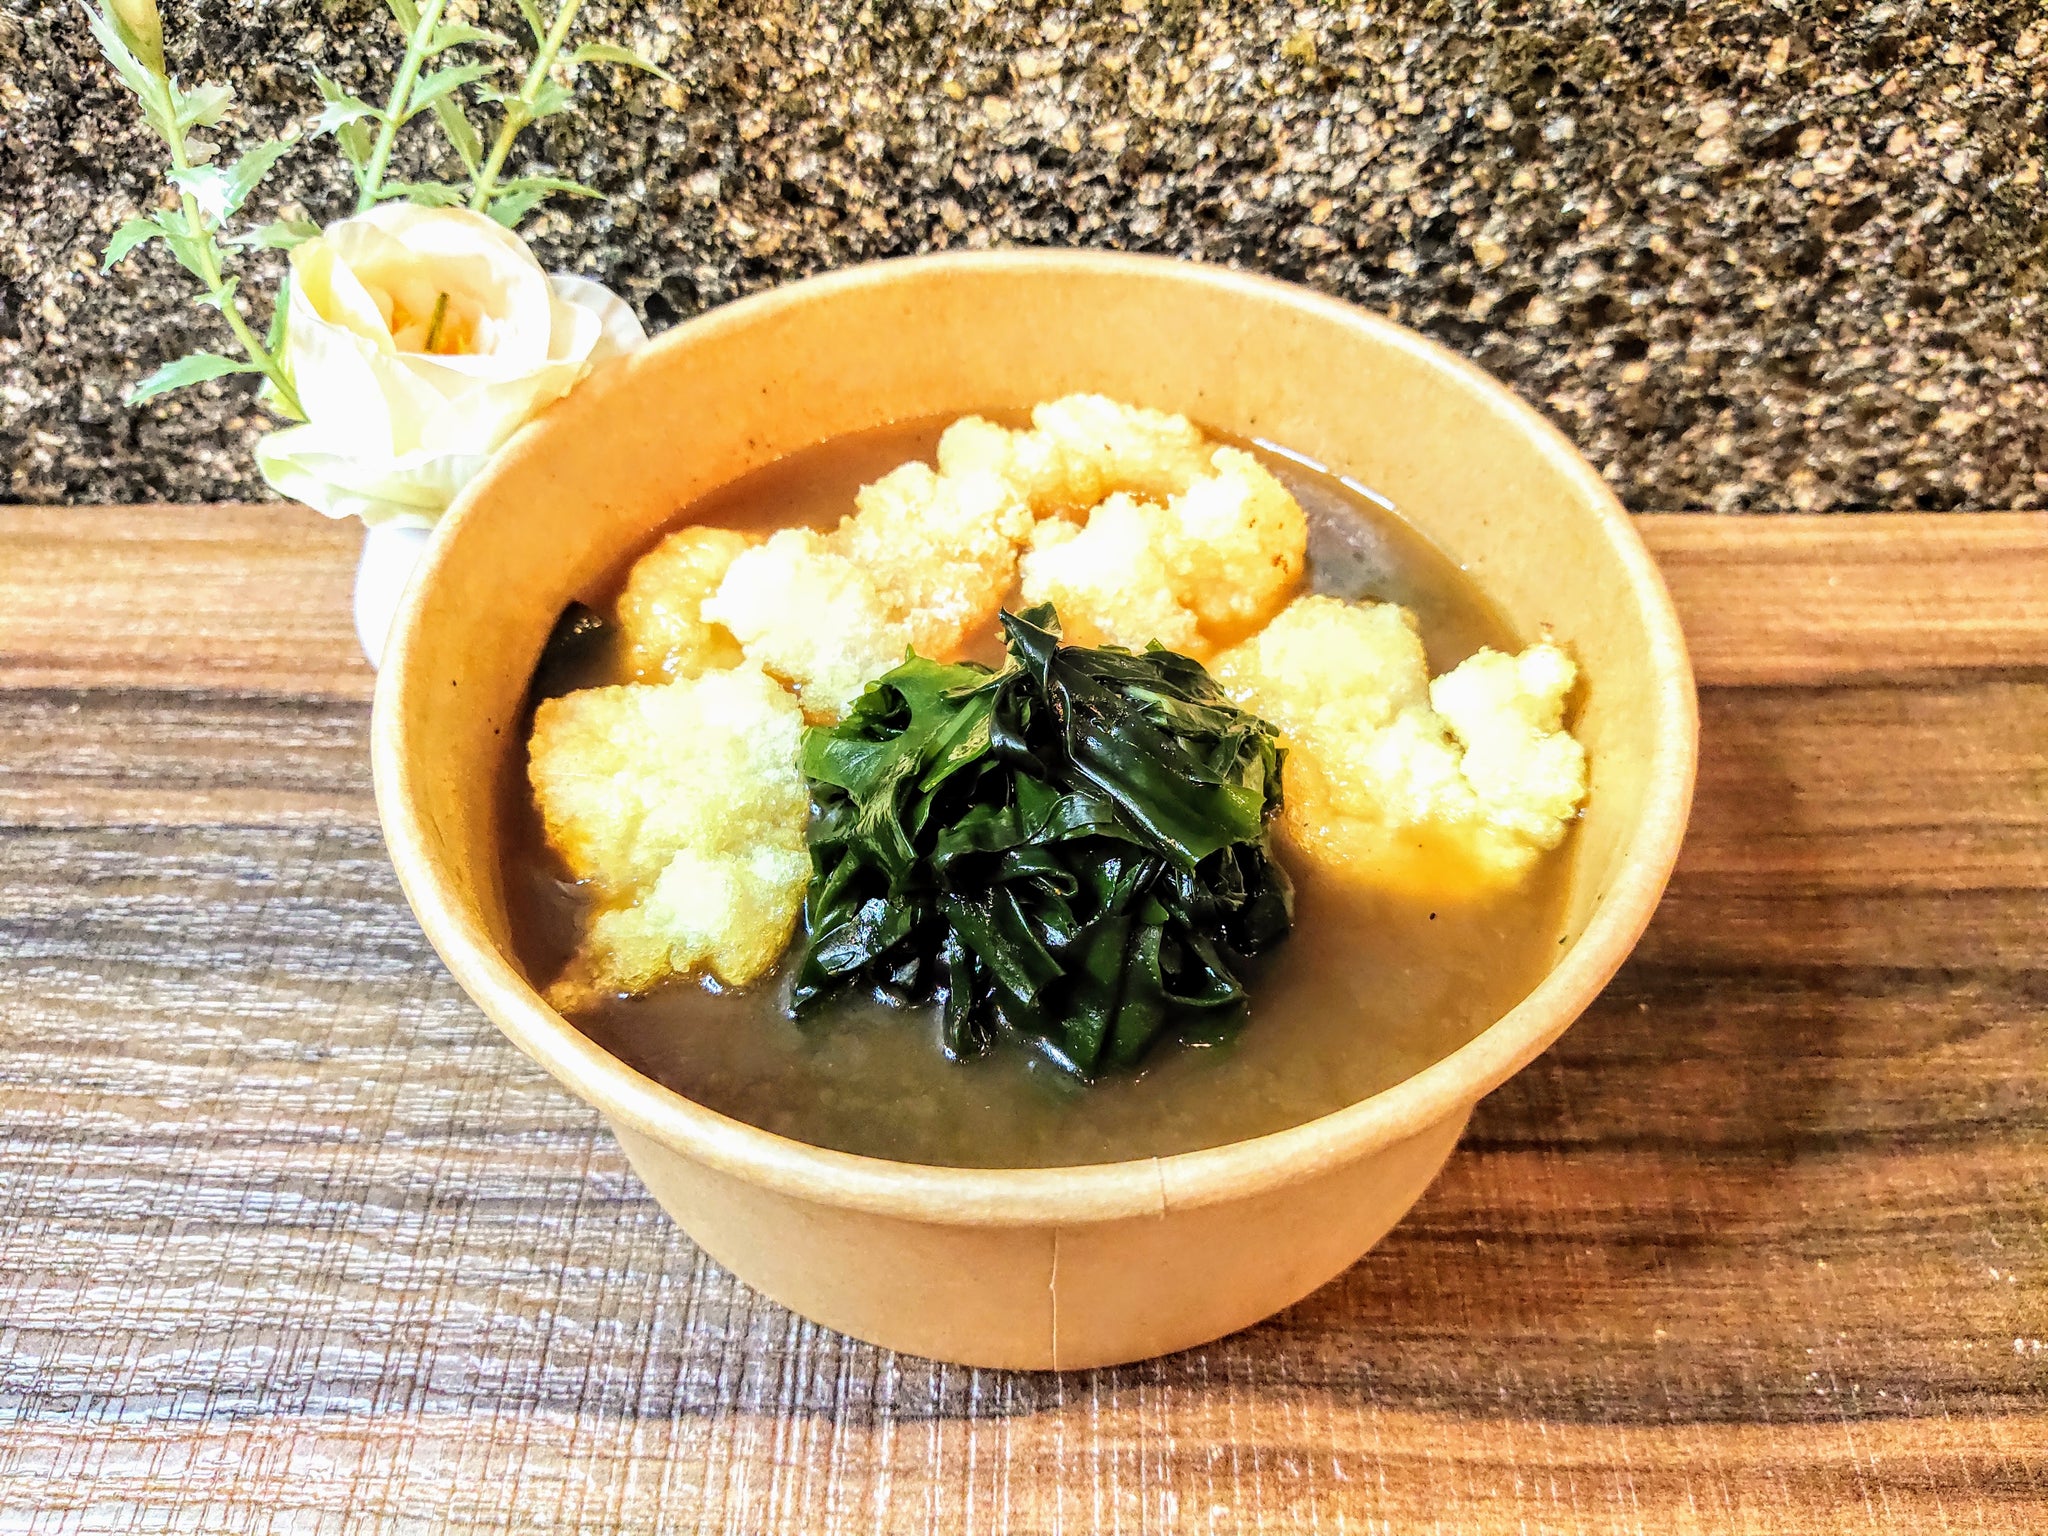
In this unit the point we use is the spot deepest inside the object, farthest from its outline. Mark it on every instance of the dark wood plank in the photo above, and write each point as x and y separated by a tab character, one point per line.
290	1238
1813	599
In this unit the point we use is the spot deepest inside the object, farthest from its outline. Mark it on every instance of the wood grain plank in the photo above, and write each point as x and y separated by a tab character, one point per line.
231	598
1811	599
290	1239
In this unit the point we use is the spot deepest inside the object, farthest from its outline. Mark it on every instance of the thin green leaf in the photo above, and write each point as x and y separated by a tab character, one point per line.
547	184
251	168
337	115
187	246
195	369
357	143
221	298
549	99
340	108
508	211
535	21
429	89
209	186
406	13
511	211
133	75
278	235
453	34
280	311
203	105
429	194
133	232
612	53
462	134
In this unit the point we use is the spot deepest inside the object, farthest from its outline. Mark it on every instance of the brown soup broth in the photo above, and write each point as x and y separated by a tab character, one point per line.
1364	993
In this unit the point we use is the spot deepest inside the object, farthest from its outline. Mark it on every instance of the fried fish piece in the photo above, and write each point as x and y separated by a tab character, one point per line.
1452	787
1109	579
813	618
1208	567
682	808
1079	450
940	548
660	608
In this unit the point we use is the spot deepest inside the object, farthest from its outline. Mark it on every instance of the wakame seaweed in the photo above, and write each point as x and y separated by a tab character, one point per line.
1073	848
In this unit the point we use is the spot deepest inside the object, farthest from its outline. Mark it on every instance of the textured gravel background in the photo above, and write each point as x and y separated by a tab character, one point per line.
1751	256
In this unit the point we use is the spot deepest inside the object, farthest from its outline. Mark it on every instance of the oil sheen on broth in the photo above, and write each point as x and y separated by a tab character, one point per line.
1365	992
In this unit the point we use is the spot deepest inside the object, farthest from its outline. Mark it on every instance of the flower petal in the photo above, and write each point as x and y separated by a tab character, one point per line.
620	329
334	476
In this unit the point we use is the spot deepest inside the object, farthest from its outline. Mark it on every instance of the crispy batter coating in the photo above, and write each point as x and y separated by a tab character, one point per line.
660	607
942	549
1109	579
811	617
1395	782
1205	569
682	806
1080	449
1236	543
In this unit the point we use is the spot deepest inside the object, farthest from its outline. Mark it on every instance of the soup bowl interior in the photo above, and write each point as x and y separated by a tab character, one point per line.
1029	1267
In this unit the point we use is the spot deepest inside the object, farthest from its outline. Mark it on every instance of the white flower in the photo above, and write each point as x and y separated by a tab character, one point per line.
419	340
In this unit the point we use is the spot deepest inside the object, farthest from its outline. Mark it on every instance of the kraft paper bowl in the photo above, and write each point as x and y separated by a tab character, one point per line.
1032	1268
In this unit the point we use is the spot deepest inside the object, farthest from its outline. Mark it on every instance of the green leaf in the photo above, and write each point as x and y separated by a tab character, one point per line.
453	34
462	134
339	107
133	232
251	168
429	89
612	53
429	194
280	311
535	21
337	115
203	105
508	211
547	184
278	235
548	99
189	247
151	89
406	13
514	199
221	298
209	186
195	369
357	143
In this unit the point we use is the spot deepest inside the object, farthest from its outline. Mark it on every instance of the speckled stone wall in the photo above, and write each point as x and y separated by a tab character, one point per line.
1751	256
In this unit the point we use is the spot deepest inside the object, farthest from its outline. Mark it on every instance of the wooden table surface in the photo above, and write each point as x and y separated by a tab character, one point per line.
290	1239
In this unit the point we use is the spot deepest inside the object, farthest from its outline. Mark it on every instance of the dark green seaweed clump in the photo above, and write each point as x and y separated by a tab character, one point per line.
1073	848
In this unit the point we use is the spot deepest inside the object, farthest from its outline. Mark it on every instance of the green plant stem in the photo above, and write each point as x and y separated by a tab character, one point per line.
394	110
216	283
517	112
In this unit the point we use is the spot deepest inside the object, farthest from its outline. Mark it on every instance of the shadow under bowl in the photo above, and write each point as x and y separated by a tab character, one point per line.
1030	1268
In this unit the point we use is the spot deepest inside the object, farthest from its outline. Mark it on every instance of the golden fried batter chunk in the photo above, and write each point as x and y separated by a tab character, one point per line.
1395	782
1079	450
682	807
661	607
807	614
1236	541
1109	580
1205	569
941	549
